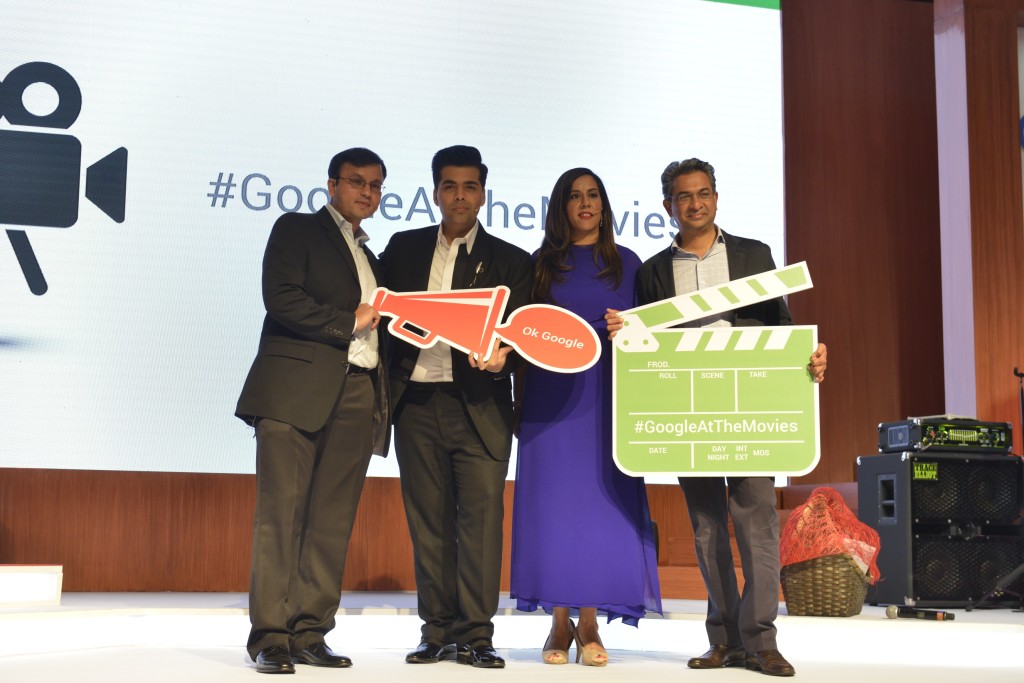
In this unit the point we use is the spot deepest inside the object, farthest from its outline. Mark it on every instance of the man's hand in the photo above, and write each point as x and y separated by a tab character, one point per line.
614	322
366	316
497	360
819	361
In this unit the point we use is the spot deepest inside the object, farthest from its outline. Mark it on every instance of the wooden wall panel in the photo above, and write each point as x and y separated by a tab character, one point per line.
862	210
982	221
380	552
152	531
129	531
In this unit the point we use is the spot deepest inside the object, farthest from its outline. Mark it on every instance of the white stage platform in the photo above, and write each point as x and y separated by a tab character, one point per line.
165	637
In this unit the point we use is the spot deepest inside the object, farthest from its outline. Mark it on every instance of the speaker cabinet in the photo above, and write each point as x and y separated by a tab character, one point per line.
949	525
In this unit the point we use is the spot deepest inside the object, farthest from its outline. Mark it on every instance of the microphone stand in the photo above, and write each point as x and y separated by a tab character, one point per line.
1001	584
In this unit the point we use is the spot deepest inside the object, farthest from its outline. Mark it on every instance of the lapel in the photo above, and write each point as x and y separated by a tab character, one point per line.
471	270
327	222
378	273
663	274
736	255
421	257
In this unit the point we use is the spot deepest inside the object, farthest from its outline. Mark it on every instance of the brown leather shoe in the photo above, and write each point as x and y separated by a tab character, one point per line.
770	662
719	656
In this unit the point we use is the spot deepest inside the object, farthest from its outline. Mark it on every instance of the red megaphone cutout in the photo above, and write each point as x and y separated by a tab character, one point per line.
467	319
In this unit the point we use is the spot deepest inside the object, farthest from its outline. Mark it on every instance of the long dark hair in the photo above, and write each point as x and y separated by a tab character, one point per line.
553	255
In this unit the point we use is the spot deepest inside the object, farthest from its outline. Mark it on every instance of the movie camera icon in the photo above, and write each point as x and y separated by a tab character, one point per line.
40	173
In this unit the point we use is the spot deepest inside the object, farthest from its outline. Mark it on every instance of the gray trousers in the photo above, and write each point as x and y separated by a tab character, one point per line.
735	619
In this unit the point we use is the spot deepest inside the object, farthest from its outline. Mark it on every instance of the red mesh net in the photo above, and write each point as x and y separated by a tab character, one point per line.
822	526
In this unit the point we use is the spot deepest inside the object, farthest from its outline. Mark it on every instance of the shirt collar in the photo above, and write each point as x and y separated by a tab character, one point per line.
676	250
359	235
470	238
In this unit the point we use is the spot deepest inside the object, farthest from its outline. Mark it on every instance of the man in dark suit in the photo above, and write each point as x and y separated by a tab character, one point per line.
453	420
317	396
741	629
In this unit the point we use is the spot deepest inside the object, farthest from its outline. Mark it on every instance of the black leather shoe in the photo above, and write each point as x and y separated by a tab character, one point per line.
430	653
318	654
481	655
719	656
770	662
274	660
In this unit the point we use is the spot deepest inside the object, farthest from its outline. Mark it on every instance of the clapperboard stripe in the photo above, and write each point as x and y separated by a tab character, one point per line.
689	340
748	339
732	295
722	339
778	339
719	339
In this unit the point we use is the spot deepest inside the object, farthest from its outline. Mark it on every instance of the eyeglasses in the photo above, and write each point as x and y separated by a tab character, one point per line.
359	183
685	198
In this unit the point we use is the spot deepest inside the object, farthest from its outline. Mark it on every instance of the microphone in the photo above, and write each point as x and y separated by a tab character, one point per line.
898	611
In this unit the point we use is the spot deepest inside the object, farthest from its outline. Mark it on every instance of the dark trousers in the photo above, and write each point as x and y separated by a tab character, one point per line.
307	492
454	501
735	619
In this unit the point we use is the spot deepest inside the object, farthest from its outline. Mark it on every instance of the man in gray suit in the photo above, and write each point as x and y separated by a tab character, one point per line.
317	396
741	629
453	420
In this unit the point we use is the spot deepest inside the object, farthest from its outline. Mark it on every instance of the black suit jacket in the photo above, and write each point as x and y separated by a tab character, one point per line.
311	291
746	257
487	396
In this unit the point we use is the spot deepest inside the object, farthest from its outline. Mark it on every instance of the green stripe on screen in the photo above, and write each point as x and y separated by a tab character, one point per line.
765	4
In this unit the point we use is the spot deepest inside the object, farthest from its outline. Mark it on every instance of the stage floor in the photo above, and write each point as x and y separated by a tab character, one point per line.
165	637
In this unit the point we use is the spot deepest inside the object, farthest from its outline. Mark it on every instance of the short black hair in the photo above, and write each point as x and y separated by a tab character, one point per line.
678	168
458	155
357	156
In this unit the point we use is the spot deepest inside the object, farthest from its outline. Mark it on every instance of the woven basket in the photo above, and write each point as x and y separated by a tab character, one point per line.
829	586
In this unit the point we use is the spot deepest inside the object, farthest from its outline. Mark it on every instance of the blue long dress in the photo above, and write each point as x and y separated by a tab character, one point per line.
581	529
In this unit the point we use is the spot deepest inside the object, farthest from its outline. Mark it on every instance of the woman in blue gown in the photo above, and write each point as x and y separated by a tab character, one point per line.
582	540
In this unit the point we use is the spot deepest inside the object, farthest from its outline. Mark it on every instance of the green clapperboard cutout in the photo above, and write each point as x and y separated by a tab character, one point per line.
730	401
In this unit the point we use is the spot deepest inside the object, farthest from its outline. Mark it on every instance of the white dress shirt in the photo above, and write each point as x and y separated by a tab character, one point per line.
362	350
435	364
691	273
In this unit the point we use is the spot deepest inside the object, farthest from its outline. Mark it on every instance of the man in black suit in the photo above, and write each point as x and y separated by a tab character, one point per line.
317	396
741	629
453	420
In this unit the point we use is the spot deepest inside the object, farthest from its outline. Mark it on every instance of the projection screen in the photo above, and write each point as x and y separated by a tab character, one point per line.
146	211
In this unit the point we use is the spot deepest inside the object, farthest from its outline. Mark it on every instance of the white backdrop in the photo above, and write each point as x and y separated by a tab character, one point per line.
134	357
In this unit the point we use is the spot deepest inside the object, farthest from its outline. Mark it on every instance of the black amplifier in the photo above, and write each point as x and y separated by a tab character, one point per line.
945	433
